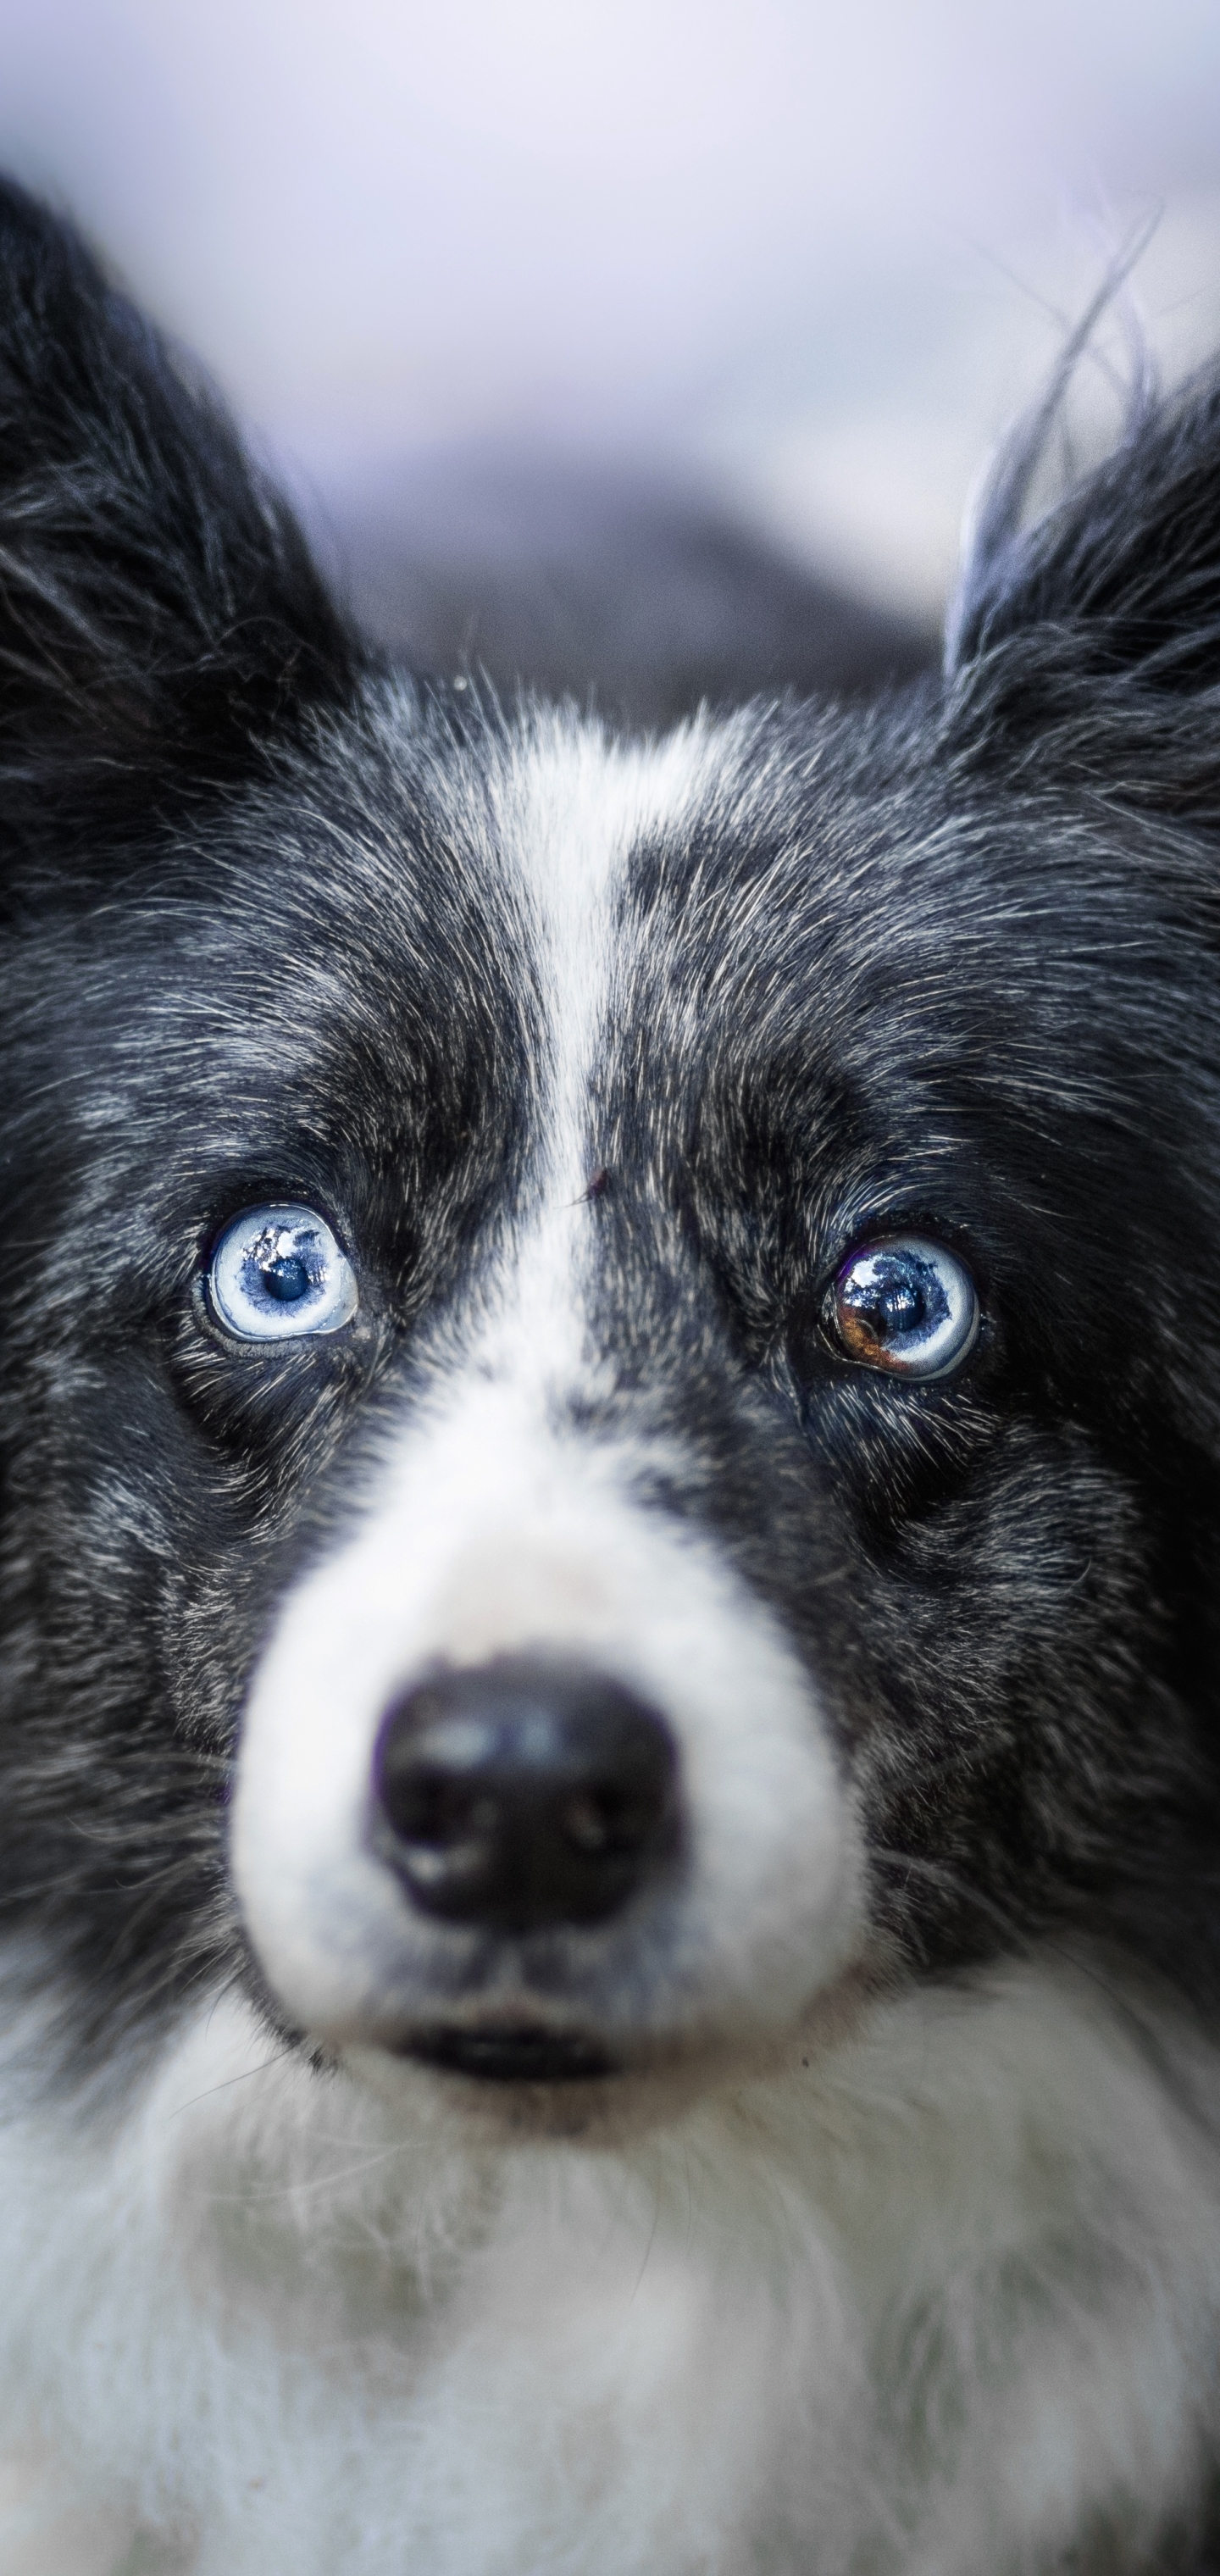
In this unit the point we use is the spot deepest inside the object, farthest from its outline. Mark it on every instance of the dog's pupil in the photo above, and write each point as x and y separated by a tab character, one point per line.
286	1278
900	1308
889	1305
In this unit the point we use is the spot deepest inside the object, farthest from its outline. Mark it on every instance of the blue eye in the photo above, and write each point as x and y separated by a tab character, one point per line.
277	1273
907	1306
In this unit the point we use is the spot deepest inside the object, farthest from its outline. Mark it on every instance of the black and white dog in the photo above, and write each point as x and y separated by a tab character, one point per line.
611	1451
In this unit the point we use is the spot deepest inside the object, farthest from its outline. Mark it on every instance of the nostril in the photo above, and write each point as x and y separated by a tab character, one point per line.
427	1802
524	1792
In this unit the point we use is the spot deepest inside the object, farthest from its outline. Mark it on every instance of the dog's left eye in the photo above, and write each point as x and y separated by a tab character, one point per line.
907	1306
277	1272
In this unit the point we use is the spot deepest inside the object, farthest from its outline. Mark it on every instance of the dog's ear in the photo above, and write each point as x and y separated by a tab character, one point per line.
159	612
1119	584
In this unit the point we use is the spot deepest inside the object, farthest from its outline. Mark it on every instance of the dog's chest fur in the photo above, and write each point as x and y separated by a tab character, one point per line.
941	2300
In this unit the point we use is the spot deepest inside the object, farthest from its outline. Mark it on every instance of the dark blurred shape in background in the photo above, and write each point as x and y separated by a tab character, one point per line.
635	594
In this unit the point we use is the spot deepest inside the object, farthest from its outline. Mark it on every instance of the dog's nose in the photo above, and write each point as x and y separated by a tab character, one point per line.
524	1793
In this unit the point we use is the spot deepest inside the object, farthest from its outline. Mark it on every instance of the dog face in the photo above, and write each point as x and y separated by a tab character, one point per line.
610	1405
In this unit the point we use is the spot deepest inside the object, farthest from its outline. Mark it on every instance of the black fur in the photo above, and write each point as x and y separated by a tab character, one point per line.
985	1010
161	616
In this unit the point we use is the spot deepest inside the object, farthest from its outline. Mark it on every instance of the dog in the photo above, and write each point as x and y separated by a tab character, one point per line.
611	1563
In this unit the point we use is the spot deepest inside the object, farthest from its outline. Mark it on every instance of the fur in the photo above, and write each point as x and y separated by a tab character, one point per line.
886	2242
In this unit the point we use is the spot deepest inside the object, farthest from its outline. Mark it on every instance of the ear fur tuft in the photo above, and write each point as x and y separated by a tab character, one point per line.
1121	579
159	611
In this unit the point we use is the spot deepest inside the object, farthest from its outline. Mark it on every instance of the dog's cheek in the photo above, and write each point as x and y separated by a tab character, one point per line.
142	1566
1028	1591
1010	1646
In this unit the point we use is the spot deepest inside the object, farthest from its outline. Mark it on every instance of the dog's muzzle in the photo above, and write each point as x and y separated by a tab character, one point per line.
538	1799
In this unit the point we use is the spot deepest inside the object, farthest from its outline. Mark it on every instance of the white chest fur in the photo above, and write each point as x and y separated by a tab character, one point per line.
935	2301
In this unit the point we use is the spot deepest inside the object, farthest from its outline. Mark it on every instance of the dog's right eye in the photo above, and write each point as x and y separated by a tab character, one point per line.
905	1305
277	1273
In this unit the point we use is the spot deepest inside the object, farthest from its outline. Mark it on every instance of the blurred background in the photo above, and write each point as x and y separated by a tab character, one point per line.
648	348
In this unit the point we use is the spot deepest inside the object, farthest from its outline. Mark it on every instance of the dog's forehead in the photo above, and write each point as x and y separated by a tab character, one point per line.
481	904
589	939
546	946
447	867
626	881
578	810
573	809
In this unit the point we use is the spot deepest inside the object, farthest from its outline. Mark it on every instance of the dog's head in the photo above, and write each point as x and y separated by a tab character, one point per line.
612	1353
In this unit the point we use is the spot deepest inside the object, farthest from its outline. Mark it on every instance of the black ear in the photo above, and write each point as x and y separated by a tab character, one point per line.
1121	581
159	613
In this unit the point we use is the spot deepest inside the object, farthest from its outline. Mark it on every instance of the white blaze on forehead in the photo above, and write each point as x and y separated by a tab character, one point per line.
571	807
575	807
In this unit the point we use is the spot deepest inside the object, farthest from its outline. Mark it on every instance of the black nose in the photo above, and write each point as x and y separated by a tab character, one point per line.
524	1792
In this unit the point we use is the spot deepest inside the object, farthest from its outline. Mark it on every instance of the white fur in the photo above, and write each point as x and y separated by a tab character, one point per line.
495	1536
921	2300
